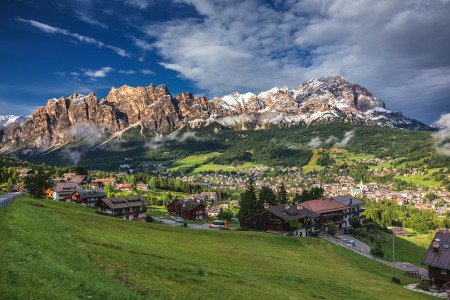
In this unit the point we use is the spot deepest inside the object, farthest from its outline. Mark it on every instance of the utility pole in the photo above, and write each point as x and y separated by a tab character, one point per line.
393	246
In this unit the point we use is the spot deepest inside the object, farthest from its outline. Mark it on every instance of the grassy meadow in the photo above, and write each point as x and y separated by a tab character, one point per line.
54	250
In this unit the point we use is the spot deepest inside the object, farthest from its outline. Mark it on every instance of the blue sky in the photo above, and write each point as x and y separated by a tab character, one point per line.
397	49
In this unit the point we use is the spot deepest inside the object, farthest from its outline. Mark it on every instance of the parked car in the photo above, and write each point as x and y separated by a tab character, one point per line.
351	243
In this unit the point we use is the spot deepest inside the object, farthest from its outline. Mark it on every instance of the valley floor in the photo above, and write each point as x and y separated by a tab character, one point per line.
56	250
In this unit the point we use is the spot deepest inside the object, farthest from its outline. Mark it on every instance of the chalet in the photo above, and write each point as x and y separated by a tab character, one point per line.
437	259
100	182
142	186
88	197
354	208
278	218
65	190
127	208
193	210
174	207
73	177
213	211
124	187
329	210
187	209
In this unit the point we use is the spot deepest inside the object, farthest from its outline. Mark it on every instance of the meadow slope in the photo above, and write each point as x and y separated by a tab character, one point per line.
58	250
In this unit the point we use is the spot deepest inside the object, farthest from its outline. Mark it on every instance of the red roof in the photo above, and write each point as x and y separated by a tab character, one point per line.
324	205
110	179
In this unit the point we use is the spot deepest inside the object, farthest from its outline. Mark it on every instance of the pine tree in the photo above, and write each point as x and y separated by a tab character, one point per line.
266	195
249	201
282	196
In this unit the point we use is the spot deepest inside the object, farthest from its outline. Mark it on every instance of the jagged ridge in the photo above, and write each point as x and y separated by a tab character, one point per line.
321	100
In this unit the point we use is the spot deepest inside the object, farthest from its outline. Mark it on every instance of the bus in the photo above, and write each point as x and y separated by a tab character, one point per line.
219	224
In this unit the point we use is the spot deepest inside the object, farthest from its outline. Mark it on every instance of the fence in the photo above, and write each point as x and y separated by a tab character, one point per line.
5	200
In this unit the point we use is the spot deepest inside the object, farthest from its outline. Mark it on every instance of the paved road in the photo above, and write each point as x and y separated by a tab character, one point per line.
7	198
358	244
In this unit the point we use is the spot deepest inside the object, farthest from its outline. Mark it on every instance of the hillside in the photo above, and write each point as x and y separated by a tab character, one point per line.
58	250
290	146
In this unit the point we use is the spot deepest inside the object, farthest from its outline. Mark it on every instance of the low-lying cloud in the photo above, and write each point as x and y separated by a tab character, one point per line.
159	141
317	142
442	137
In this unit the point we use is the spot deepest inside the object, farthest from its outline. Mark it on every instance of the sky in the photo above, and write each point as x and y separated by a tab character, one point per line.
398	49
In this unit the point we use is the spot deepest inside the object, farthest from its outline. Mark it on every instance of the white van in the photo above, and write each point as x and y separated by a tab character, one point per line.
219	224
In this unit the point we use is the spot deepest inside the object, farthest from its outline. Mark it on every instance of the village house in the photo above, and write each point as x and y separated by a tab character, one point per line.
188	209
127	208
140	186
88	197
354	208
213	211
124	187
73	177
277	218
437	259
63	191
100	182
329	210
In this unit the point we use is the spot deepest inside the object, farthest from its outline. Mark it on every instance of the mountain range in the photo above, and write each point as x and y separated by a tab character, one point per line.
85	118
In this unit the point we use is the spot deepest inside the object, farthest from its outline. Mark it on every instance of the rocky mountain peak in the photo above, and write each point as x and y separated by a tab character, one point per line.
319	100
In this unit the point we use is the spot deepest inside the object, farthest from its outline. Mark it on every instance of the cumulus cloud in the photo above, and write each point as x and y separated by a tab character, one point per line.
75	36
146	46
392	47
442	137
127	72
100	73
147	72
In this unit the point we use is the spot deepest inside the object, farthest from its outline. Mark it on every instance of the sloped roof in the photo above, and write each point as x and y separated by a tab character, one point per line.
324	205
289	212
91	193
441	257
123	202
66	187
346	200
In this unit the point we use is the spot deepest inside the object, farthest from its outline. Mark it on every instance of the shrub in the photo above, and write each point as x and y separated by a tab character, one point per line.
149	219
396	280
361	232
331	229
377	251
424	285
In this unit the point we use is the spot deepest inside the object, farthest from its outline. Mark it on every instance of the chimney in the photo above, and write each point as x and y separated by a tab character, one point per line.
436	244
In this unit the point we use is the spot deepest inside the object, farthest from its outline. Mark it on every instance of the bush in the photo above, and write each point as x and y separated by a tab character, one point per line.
424	285
331	229
377	251
361	232
396	280
149	219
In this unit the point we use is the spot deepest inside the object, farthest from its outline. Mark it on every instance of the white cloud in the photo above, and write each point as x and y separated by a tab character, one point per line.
147	72
100	73
83	16
127	72
78	37
348	135
391	47
142	4
142	44
442	137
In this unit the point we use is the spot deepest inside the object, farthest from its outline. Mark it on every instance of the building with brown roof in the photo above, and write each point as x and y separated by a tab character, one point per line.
63	191
437	259
188	209
88	197
125	187
127	208
329	210
278	218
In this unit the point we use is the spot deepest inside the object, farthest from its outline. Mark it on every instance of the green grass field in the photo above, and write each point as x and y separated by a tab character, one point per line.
54	250
193	160
312	164
406	249
211	167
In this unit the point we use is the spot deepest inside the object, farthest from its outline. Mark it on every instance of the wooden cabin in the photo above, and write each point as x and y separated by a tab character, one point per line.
330	211
63	191
188	209
89	197
127	208
278	217
437	259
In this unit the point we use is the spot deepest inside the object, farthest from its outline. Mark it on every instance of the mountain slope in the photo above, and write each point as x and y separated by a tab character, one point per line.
319	101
